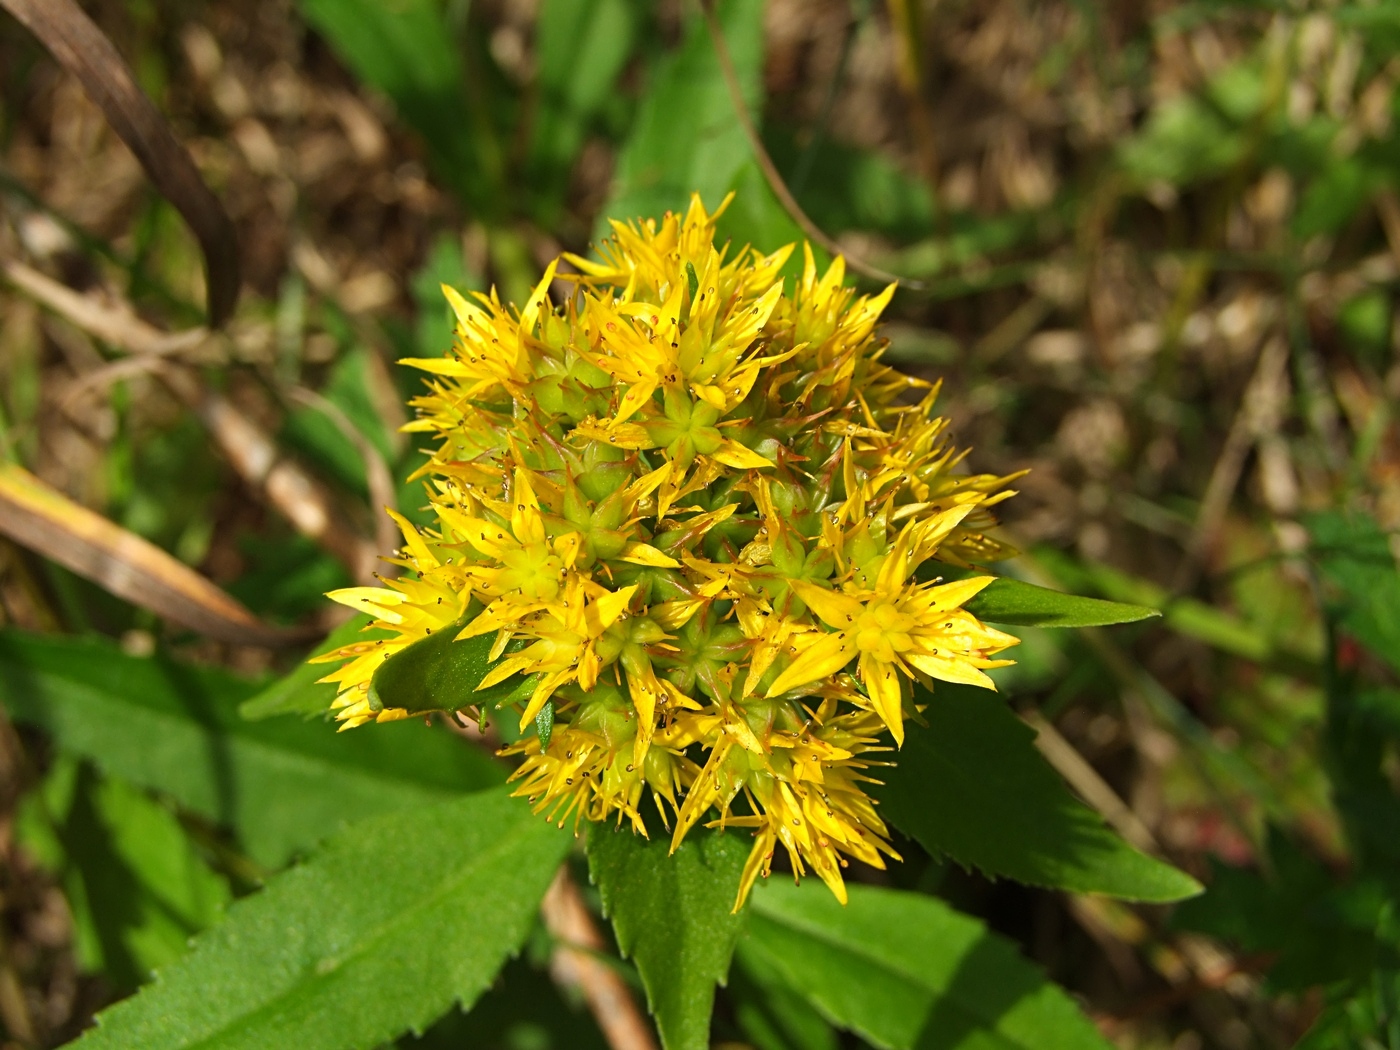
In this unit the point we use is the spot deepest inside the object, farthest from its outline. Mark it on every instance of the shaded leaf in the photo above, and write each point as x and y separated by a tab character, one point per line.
771	1015
136	885
282	786
572	92
440	673
904	970
523	1010
972	786
672	917
685	138
1009	601
1354	556
1320	932
395	920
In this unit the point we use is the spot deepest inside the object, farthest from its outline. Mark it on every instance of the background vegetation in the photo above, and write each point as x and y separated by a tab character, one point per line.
1152	249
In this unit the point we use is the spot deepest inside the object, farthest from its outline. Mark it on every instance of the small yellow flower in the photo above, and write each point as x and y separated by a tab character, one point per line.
690	510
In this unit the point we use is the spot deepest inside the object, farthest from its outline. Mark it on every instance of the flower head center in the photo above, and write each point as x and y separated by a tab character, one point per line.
883	630
533	571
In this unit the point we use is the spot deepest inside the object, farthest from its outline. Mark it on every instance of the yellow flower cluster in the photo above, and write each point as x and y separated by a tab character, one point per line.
689	510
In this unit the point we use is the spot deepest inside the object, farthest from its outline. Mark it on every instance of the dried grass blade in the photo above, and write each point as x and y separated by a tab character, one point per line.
46	521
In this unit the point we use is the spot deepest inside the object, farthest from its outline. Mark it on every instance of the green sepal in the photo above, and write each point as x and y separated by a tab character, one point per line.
544	723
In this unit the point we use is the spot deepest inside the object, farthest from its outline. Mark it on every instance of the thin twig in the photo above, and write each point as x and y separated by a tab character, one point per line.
299	497
770	170
117	325
378	478
1258	409
575	963
1085	779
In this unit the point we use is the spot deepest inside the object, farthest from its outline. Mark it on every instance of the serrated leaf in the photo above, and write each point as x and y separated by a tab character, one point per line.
392	922
299	692
904	970
282	786
1013	602
972	786
672	918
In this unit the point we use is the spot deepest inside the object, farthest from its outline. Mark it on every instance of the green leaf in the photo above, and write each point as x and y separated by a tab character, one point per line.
135	883
317	436
1009	601
524	1010
771	1015
439	673
395	920
282	786
1355	558
580	48
905	970
299	692
672	917
686	138
1186	615
1365	1016
973	786
1320	932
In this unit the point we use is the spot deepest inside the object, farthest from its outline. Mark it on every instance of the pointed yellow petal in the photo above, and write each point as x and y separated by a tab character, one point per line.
543	691
440	366
603	612
759	861
465	311
836	610
646	554
638	394
882	683
423	558
822	656
954	595
733	454
525	520
949	669
372	600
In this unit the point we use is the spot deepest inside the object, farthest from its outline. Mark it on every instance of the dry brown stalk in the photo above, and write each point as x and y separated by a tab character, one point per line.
1092	788
1258	414
300	498
575	963
46	521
